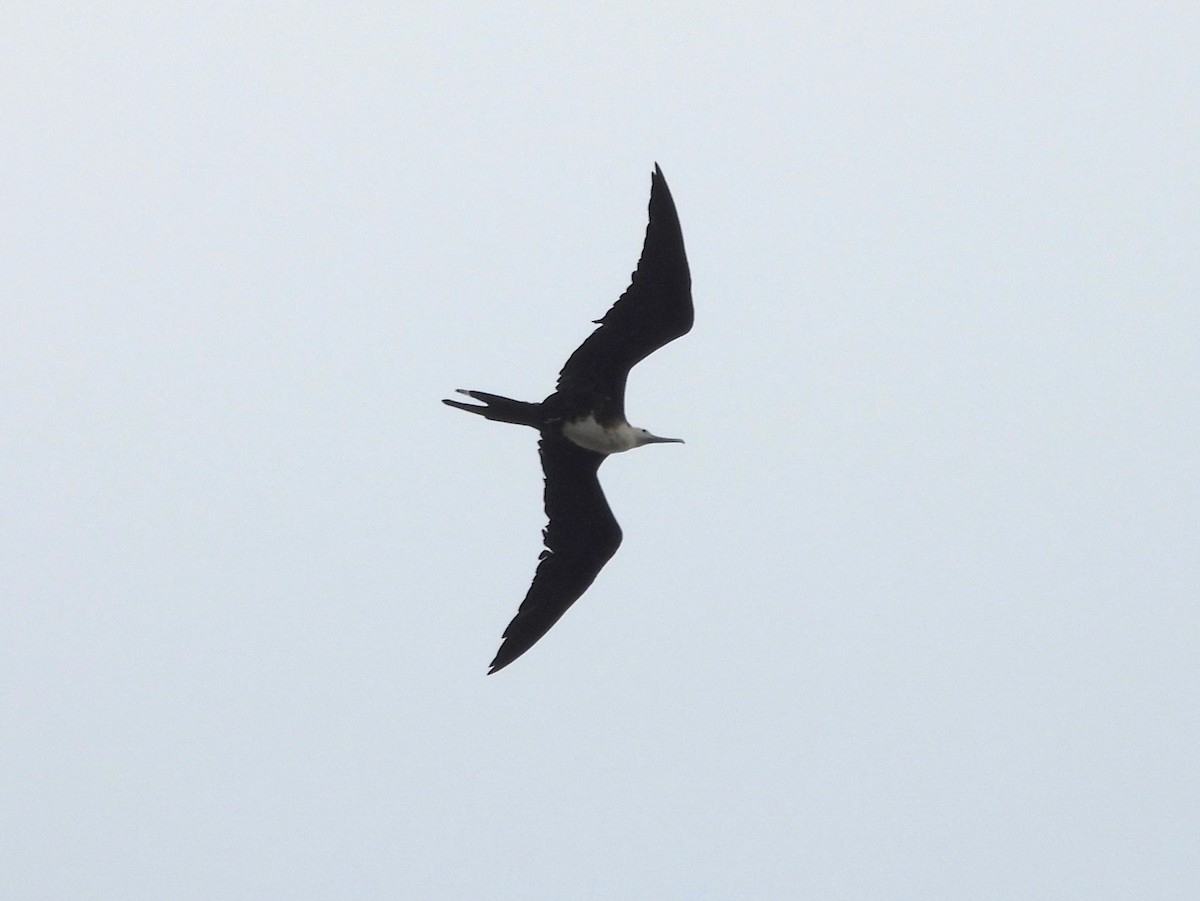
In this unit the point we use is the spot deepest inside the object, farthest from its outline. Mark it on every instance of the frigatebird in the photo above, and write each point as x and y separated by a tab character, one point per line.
583	422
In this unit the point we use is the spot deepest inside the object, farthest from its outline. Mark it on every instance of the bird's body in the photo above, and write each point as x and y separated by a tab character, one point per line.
591	435
583	422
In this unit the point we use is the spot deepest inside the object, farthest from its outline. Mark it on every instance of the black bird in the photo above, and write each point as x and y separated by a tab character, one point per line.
583	422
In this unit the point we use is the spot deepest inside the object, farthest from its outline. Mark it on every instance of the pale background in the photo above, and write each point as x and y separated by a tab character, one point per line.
914	613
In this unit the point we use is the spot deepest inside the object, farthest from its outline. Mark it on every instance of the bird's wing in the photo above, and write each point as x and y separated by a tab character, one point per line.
655	309
581	536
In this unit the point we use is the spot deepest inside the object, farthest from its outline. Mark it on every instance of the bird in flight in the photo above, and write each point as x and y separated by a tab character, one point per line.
583	422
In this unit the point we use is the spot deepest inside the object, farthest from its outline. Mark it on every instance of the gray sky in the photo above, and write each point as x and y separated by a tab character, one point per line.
913	614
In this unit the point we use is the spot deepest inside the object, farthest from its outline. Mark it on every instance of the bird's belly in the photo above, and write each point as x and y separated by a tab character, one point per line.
590	435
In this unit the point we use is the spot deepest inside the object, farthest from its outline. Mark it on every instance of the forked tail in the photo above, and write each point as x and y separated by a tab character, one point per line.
501	409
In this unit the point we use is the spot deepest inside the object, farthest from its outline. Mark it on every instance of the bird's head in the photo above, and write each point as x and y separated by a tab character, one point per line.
642	436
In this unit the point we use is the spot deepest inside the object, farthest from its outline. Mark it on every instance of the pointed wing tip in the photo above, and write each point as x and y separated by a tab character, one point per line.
660	193
500	661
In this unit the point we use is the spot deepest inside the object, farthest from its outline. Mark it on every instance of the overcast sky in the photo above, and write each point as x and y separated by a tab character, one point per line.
914	612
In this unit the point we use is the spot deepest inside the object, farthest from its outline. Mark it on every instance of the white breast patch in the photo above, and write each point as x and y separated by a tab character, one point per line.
590	435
